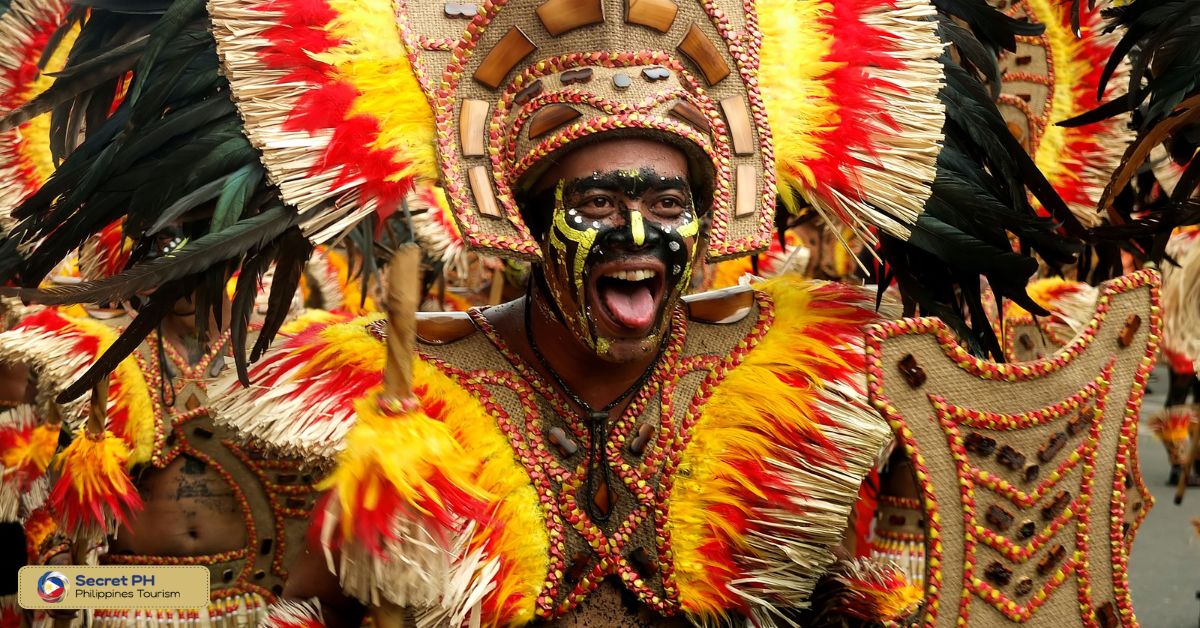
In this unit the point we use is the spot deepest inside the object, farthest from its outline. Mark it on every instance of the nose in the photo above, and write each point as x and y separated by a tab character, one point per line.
636	235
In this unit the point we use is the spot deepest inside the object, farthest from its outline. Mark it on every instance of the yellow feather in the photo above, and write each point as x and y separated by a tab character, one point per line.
374	60
36	133
467	447
797	102
94	464
1069	69
38	450
729	432
522	542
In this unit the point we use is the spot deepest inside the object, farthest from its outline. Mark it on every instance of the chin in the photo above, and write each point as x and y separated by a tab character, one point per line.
623	350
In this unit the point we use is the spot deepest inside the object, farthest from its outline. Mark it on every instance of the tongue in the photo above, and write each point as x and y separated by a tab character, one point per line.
631	306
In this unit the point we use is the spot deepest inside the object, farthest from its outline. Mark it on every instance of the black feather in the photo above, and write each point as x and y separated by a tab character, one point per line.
145	322
193	258
291	255
242	308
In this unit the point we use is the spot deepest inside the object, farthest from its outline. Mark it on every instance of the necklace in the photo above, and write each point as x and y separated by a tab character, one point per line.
600	505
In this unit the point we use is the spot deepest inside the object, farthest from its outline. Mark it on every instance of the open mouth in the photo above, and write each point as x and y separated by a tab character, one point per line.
628	296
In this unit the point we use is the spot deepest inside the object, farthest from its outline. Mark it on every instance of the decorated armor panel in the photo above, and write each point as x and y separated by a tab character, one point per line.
1027	472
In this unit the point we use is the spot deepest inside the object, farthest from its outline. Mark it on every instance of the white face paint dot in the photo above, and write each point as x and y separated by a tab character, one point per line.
676	269
666	230
595	225
674	246
578	220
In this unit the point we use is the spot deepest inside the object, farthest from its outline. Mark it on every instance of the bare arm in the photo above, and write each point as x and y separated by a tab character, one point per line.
13	384
309	577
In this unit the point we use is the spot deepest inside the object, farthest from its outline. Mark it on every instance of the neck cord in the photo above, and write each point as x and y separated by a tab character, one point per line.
596	419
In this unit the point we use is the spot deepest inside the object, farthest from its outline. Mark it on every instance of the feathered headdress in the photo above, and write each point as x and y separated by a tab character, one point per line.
1158	41
258	127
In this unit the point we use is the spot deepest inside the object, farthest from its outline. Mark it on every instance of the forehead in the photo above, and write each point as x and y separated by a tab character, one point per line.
621	154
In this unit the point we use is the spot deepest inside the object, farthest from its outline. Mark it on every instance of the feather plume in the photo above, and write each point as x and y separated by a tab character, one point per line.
26	447
93	492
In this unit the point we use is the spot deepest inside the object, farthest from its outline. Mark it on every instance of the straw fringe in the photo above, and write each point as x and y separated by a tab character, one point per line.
294	614
888	179
265	98
58	360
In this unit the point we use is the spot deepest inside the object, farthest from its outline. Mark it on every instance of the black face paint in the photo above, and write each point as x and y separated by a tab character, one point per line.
608	218
628	183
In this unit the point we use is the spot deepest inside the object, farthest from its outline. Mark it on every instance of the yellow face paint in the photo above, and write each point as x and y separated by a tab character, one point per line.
637	227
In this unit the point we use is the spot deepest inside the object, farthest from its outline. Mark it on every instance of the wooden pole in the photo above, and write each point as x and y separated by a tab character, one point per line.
402	301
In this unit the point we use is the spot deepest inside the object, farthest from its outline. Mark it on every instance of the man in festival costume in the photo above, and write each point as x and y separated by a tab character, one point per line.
709	472
703	456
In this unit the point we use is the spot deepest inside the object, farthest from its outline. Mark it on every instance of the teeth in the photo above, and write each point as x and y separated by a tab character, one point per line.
631	275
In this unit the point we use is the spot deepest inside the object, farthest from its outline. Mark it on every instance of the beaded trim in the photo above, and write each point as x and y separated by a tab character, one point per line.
226	607
561	508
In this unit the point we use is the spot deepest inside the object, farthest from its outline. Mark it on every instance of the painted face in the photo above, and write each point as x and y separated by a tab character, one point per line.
620	245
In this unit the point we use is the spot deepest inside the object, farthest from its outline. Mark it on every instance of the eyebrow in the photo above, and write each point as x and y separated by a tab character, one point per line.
632	183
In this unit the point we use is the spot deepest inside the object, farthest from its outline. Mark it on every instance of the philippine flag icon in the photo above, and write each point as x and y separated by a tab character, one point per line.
52	587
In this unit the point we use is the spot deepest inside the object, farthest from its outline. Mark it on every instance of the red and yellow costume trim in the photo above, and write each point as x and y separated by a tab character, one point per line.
93	485
772	406
26	448
844	120
334	99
